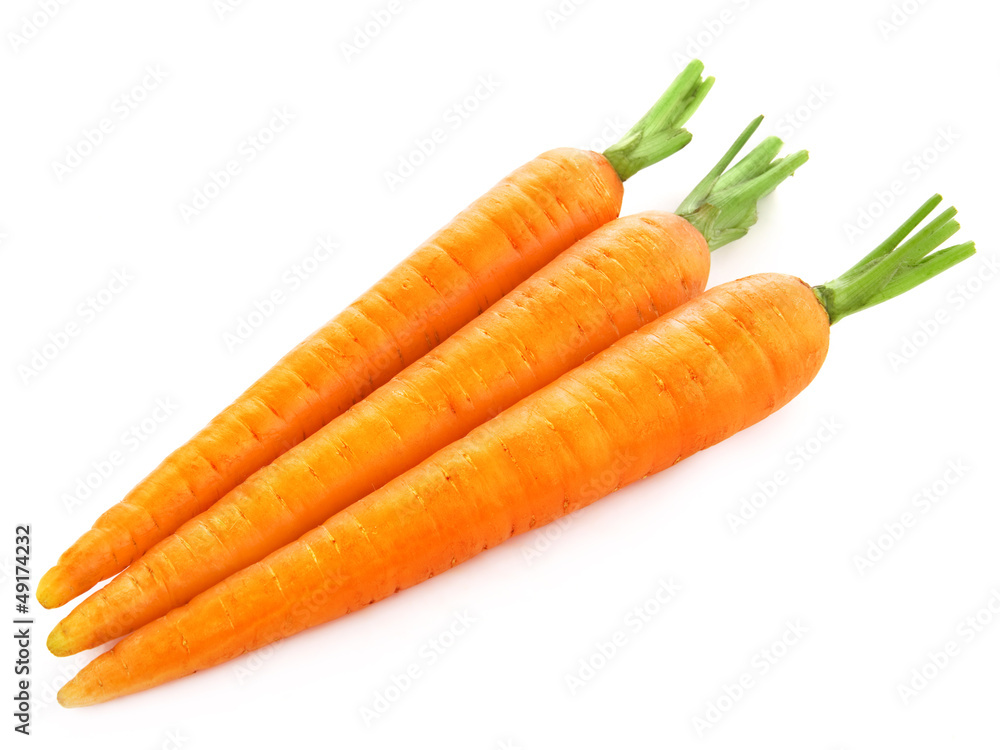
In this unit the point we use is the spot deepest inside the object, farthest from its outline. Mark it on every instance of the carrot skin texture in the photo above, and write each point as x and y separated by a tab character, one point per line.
618	278
506	235
714	366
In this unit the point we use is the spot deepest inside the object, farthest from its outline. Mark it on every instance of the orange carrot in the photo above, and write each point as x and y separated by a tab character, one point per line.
714	366
608	284
521	224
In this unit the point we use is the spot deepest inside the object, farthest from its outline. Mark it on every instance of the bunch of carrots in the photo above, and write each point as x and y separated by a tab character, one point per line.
474	393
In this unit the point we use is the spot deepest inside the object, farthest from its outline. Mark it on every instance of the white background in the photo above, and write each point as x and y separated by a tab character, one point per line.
888	91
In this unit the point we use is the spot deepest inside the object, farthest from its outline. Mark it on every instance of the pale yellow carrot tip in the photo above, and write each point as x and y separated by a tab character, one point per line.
88	689
54	588
72	695
59	643
75	633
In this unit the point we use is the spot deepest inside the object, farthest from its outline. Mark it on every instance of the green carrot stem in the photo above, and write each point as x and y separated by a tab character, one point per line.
896	266
658	134
723	206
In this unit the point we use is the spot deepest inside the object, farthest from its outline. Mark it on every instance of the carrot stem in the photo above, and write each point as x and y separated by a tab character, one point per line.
896	266
723	206
658	134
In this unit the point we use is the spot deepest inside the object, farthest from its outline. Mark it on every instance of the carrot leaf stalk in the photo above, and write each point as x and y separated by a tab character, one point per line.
723	206
896	266
658	134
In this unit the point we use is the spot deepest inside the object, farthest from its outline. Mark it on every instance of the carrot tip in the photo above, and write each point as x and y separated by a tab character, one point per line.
54	589
71	696
59	644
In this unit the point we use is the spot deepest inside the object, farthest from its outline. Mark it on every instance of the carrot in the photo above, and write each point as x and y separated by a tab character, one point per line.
608	284
521	224
712	367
